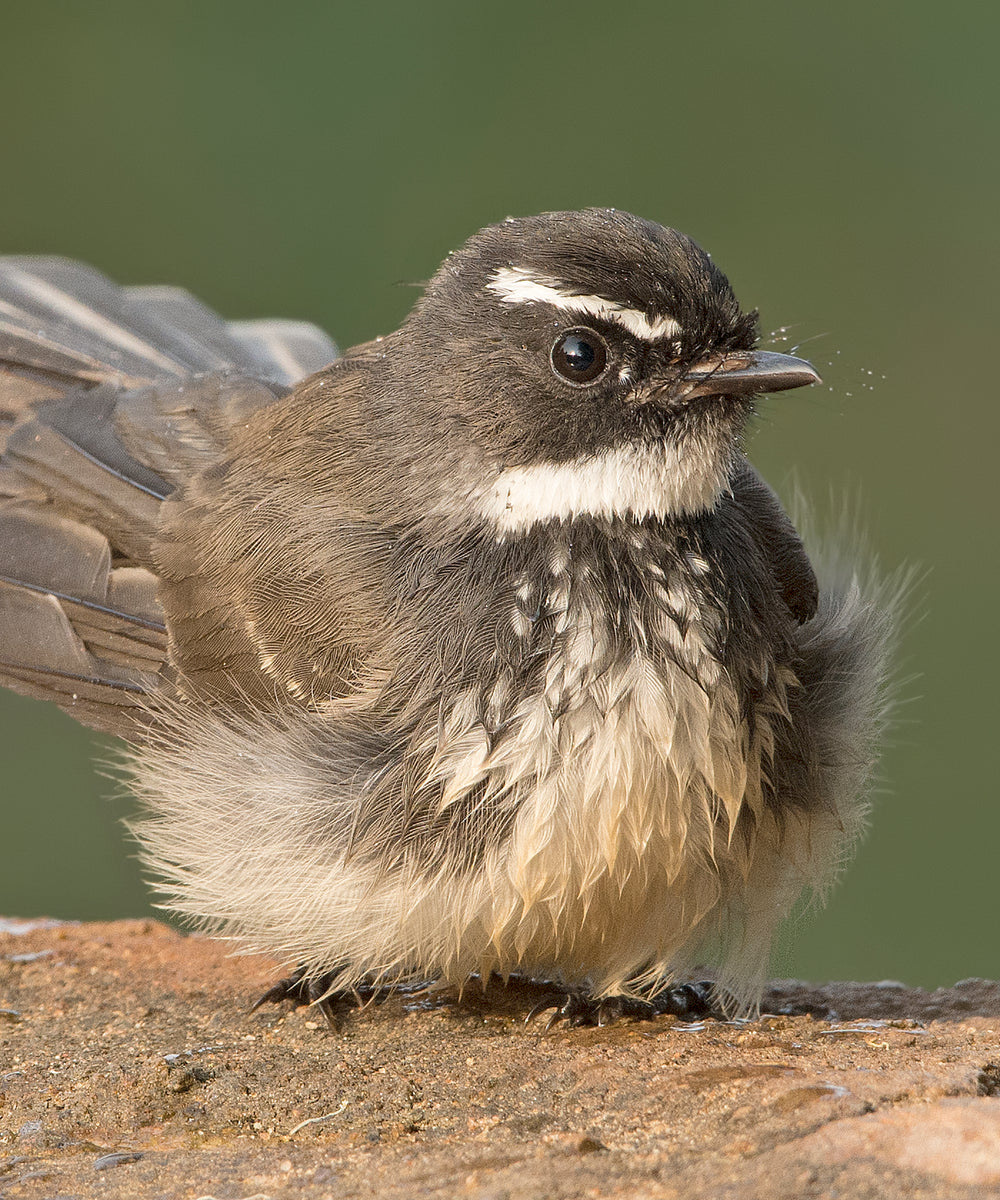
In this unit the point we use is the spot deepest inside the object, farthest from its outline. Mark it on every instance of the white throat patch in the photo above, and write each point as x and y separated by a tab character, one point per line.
635	481
518	285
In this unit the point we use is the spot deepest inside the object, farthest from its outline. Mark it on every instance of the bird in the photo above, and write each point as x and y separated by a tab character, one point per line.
480	649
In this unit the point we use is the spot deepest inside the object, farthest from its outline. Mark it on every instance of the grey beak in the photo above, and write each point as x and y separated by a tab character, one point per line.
748	372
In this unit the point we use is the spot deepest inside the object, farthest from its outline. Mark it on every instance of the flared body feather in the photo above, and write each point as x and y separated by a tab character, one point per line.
632	822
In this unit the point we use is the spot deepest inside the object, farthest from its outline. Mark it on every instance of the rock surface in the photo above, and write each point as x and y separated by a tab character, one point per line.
130	1067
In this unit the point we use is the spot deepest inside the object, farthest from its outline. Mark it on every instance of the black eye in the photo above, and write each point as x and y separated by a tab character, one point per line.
579	355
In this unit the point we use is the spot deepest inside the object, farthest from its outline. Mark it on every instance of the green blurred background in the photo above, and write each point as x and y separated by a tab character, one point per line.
303	159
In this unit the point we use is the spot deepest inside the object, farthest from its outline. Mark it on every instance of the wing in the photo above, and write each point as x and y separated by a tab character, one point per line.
110	398
778	541
270	580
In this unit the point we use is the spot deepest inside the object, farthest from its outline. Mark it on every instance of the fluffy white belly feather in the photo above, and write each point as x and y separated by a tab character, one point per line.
628	777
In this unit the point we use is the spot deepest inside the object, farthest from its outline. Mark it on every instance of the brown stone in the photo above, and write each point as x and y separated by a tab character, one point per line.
130	1067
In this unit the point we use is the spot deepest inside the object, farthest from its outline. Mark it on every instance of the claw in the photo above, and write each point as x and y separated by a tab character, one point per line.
273	995
294	988
543	1007
304	992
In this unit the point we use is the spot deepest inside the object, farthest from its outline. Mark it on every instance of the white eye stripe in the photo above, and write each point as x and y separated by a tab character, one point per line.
518	285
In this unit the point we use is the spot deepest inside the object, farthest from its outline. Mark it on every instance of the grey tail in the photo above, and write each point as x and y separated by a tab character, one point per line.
109	398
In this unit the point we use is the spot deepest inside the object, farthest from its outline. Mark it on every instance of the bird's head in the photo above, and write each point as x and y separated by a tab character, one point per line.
584	363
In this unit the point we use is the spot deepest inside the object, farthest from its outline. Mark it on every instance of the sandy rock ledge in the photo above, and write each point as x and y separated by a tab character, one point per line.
131	1068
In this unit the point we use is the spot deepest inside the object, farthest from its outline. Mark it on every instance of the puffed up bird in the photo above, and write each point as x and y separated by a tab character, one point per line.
479	649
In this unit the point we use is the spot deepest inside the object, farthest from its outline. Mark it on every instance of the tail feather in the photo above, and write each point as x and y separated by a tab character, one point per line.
285	351
194	334
74	628
110	397
71	452
68	319
63	319
108	705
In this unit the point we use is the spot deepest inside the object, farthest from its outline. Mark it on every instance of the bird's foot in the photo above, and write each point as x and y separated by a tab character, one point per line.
304	990
686	1001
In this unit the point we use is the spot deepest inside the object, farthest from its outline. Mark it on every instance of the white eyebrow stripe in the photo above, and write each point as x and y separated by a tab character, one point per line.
518	285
